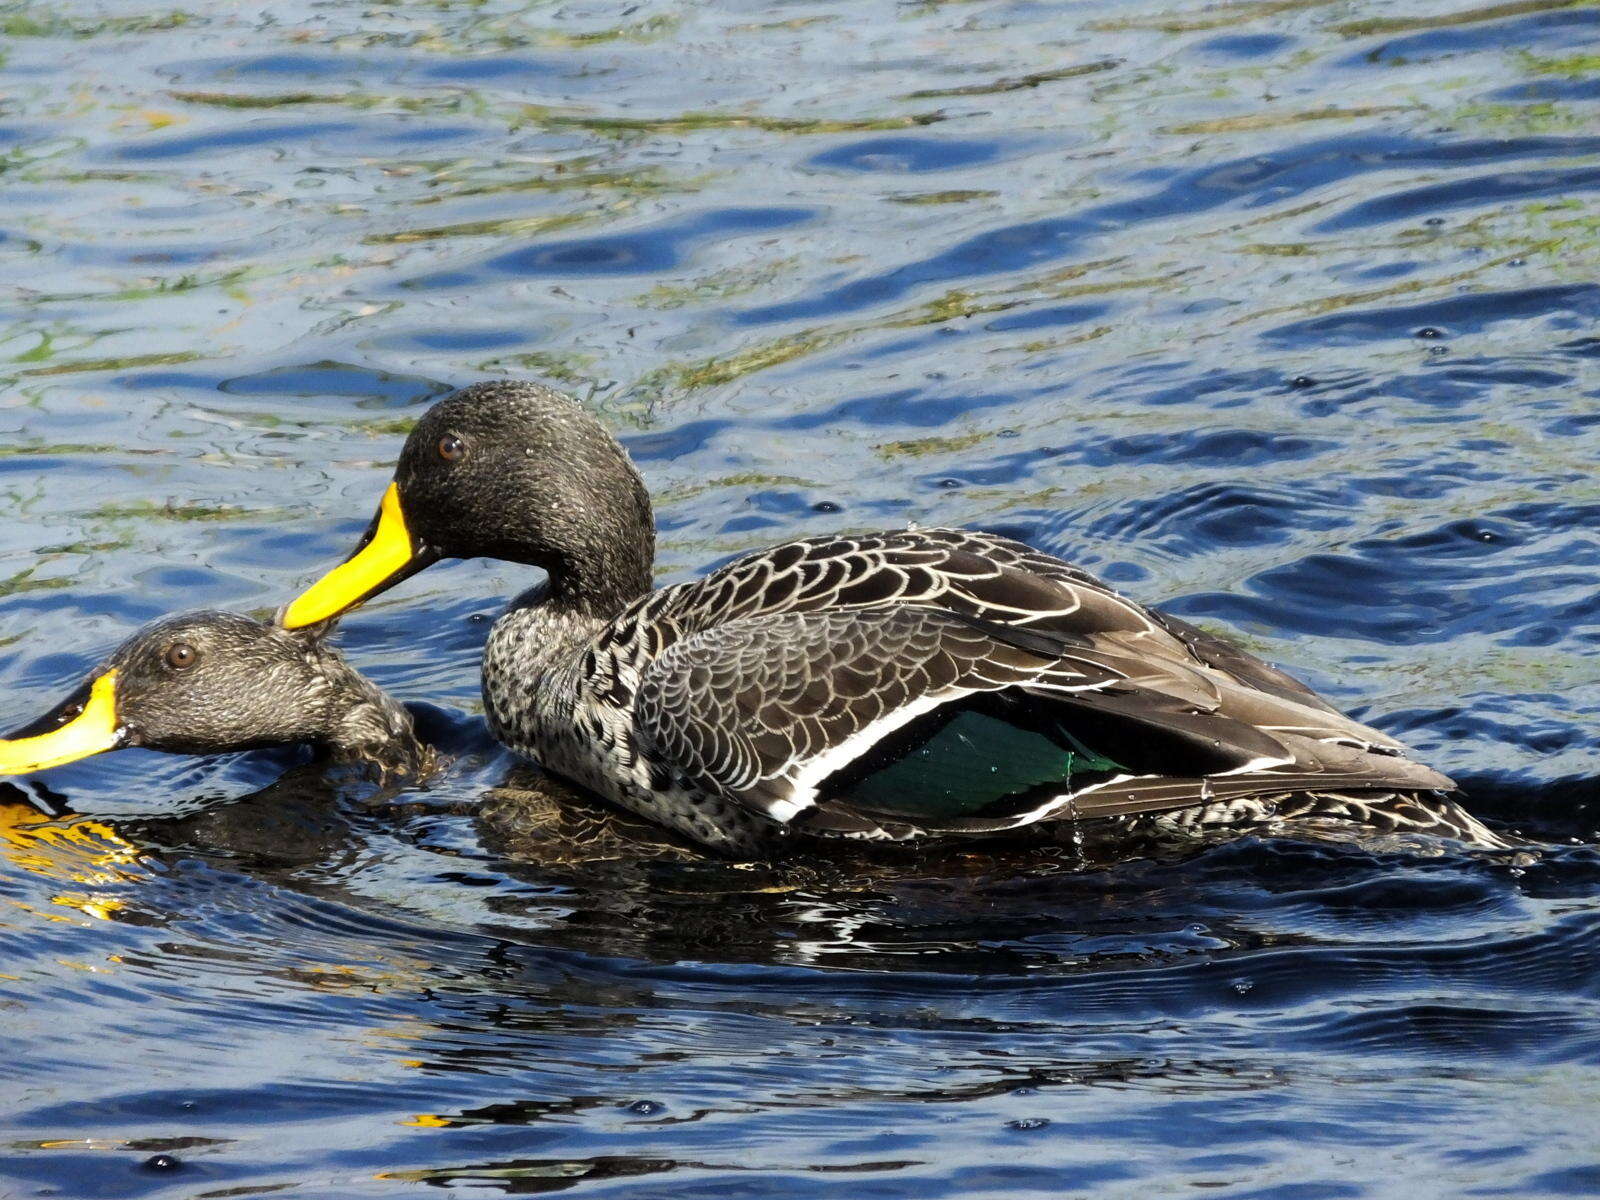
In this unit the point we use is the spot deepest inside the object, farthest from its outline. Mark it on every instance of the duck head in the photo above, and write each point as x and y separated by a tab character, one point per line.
209	682
513	471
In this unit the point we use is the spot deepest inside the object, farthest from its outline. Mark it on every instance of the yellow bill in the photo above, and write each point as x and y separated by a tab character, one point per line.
388	556
92	731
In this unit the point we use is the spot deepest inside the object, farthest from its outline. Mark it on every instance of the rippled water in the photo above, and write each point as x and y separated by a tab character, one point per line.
1280	312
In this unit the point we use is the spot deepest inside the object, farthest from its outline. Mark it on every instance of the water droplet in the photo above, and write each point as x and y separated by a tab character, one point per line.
1516	262
1243	985
1028	1124
1428	331
826	506
162	1162
1438	349
646	1108
1434	221
949	483
1302	381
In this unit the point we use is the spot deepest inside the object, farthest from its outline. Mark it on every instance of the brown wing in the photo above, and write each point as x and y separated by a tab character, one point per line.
972	574
779	711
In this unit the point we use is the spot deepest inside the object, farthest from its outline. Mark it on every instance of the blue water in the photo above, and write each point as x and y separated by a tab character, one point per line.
1279	313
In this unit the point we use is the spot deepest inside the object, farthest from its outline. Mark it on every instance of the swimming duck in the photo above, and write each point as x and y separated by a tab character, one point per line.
209	682
885	685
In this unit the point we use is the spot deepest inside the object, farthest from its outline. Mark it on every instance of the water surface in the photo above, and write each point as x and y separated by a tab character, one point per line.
1280	313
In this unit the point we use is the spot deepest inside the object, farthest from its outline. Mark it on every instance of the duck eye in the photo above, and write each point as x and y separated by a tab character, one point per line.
452	448
181	655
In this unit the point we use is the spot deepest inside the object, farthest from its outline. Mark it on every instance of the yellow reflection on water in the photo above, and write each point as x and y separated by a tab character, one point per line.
69	850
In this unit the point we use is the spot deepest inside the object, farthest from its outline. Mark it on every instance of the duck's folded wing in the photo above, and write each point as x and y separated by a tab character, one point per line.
875	721
1248	669
968	572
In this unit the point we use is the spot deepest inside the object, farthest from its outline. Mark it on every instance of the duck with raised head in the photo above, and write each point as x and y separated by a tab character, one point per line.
211	682
883	685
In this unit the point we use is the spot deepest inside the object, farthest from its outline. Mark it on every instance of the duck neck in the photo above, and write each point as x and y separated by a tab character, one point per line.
604	560
597	583
363	723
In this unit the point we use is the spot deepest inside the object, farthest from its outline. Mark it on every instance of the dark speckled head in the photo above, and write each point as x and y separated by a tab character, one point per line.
507	470
209	682
521	472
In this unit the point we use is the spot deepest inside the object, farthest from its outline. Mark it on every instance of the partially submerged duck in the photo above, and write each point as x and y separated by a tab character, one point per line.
210	682
883	686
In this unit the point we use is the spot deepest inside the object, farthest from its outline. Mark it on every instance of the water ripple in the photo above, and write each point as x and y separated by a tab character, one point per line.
1278	314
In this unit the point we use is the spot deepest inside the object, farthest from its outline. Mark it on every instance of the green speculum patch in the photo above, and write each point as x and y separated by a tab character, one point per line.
961	763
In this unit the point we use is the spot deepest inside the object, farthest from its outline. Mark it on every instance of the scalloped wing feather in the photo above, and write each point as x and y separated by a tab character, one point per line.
765	709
